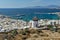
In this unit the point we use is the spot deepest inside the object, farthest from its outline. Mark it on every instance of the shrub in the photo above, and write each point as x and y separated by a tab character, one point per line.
36	36
14	32
27	30
58	31
24	38
39	31
50	26
23	33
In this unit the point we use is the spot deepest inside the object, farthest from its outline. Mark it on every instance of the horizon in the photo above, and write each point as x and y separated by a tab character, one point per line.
27	3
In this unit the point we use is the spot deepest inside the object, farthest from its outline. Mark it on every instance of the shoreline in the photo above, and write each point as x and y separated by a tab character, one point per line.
8	26
7	23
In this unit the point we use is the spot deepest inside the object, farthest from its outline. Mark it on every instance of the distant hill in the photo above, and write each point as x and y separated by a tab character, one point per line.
49	7
52	6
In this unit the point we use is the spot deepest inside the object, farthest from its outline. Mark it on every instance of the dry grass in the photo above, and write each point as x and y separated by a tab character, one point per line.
33	34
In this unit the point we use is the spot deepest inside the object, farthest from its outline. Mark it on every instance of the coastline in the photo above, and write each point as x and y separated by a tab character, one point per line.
8	24
25	30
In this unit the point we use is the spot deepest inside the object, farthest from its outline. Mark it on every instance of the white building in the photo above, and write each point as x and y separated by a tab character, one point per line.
34	22
0	28
53	22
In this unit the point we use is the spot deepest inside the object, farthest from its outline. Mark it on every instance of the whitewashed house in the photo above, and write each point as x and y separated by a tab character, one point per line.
0	28
34	23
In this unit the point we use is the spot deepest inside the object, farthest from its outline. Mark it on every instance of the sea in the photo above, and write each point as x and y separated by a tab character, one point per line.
29	13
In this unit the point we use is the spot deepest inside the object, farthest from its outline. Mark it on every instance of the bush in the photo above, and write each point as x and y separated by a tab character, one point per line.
50	26
24	38
27	30
14	32
36	36
23	33
58	31
39	31
32	31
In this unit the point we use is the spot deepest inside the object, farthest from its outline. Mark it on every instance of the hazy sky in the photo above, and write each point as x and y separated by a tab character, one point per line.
27	3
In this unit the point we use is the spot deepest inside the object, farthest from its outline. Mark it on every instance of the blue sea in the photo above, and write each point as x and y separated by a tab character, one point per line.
28	13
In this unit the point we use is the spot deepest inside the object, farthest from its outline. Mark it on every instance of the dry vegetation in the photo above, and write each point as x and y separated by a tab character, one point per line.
31	34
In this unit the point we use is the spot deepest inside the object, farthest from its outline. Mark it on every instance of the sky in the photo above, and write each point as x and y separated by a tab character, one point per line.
27	3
